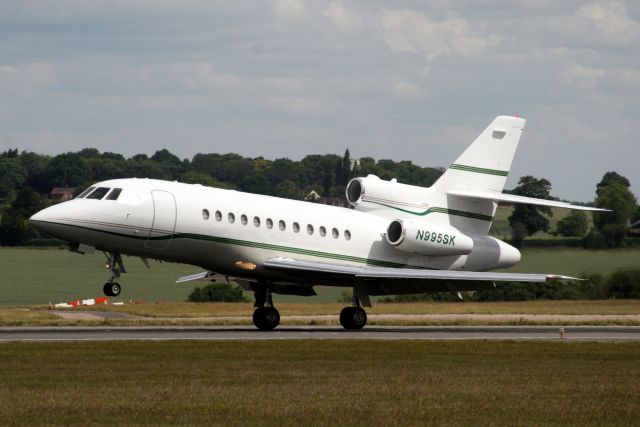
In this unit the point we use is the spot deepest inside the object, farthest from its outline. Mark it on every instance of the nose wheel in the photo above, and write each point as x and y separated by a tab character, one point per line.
112	289
115	267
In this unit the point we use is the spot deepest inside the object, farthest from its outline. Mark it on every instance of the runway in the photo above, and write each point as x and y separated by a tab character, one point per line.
158	333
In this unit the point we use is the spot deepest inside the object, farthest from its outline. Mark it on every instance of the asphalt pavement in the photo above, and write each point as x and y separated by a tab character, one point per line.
155	333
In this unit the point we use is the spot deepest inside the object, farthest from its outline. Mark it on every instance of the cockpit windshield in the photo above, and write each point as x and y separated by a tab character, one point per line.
115	193
85	192
98	193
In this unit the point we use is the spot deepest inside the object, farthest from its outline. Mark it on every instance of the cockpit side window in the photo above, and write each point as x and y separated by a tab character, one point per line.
85	192
98	193
115	193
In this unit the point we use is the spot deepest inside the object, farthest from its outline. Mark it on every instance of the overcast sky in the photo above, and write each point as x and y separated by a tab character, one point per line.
406	80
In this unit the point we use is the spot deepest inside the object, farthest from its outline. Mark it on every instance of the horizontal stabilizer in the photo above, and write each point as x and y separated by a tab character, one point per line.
368	272
511	198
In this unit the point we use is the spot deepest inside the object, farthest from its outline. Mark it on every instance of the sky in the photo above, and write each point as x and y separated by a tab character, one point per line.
401	80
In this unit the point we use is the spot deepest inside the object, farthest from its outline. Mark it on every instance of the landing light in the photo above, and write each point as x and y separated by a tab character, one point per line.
245	265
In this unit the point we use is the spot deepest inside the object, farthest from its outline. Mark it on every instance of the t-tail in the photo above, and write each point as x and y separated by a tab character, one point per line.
465	196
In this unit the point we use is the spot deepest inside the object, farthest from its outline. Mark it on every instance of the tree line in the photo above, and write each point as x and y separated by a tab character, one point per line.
26	178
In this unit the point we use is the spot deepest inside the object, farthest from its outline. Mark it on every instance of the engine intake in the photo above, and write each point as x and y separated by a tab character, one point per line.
427	239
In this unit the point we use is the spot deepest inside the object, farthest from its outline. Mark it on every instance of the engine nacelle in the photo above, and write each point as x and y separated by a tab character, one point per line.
428	239
377	191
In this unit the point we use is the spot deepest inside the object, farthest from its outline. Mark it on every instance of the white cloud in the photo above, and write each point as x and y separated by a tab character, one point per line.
612	20
410	31
26	79
343	18
289	9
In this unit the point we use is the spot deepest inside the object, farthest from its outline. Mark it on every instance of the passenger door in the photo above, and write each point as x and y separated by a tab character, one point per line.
164	220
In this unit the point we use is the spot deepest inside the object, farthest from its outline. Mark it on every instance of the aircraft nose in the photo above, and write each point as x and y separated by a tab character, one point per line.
37	218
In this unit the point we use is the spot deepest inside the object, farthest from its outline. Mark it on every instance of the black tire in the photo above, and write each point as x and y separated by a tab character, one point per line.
106	289
258	316
345	317
266	318
358	318
115	289
352	318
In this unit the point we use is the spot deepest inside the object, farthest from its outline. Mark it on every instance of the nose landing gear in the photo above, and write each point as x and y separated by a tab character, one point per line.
115	267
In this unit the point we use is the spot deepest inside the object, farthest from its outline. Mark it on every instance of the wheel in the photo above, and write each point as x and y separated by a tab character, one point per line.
266	318
115	289
353	318
107	289
112	289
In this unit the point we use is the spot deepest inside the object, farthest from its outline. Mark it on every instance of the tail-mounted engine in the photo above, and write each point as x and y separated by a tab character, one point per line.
428	239
378	192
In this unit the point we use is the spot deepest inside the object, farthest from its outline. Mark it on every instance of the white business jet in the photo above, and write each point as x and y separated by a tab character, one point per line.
397	239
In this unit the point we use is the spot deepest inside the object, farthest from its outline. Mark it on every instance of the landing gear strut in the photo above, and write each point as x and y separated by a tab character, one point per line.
354	317
115	267
265	316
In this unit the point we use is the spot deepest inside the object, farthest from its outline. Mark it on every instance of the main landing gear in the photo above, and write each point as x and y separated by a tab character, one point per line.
354	317
265	316
115	267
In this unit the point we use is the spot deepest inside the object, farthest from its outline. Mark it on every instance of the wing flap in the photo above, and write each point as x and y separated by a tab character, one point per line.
512	198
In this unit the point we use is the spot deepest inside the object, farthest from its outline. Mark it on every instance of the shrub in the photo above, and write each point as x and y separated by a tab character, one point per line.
218	292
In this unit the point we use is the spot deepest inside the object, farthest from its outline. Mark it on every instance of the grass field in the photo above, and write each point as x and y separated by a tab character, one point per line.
320	383
615	312
38	276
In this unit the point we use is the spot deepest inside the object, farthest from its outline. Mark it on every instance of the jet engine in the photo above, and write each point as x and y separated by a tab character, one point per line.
428	239
380	192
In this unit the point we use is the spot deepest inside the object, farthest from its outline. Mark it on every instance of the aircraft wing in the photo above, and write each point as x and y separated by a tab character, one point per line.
389	281
512	198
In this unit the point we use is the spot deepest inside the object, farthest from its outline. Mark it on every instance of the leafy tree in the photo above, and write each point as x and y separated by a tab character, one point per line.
15	229
13	175
193	177
288	190
532	218
165	156
611	178
67	170
573	225
613	224
89	153
218	292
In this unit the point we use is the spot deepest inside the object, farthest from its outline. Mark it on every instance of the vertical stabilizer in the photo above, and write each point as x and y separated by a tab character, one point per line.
486	163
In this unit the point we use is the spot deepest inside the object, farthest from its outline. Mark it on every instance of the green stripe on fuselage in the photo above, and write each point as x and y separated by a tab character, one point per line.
248	243
446	211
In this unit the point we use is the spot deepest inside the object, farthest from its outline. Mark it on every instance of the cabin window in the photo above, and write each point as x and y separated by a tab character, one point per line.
335	233
205	214
282	225
309	229
323	231
98	193
231	217
85	192
218	216
256	221
269	223
296	227
243	219
347	235
115	193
